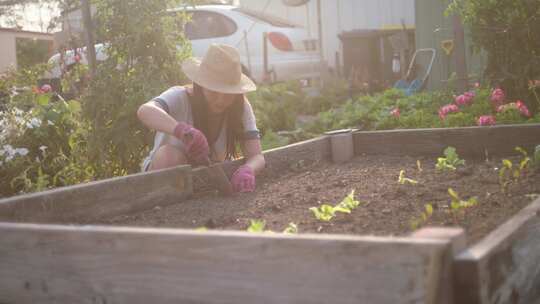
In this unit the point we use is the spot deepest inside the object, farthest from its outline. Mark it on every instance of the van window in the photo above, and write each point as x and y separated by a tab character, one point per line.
204	25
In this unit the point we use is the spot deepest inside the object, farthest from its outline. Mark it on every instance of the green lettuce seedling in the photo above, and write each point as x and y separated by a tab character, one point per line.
402	180
424	216
326	212
256	226
292	228
451	160
349	203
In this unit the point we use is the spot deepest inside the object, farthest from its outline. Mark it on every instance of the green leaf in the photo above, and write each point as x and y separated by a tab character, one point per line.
455	205
74	106
507	163
43	99
341	209
453	194
292	228
429	209
256	226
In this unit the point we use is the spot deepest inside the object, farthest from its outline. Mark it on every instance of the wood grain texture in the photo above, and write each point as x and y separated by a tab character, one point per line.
89	201
277	160
504	267
469	142
65	264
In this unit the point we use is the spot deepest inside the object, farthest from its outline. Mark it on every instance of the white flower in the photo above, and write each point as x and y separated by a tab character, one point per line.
21	151
43	148
18	111
50	123
33	123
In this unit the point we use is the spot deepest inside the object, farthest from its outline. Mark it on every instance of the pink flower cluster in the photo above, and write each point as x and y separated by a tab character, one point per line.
445	110
395	112
497	97
46	88
486	120
464	99
518	105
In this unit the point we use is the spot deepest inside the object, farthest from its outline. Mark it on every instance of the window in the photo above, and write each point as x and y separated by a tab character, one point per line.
205	25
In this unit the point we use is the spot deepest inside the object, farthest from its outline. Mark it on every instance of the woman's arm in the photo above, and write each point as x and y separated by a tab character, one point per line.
154	117
252	151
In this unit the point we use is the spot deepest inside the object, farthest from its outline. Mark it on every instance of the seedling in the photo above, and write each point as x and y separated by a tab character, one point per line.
523	163
458	204
510	173
326	212
451	160
505	174
417	223
402	180
292	228
256	226
349	203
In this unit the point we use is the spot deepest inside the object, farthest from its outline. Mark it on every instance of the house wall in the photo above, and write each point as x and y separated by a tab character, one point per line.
339	16
8	54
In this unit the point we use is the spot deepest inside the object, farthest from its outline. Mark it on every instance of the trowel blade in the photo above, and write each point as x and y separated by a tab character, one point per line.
219	179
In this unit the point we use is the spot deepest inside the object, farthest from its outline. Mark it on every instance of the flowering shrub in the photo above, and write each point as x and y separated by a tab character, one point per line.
464	99
497	97
486	120
395	112
445	110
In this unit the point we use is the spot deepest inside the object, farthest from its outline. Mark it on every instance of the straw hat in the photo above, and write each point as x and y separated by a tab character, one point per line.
220	70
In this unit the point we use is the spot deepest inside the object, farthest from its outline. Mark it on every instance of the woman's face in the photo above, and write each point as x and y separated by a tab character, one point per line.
218	102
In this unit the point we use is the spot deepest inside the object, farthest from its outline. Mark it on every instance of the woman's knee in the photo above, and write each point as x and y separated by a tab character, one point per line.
168	156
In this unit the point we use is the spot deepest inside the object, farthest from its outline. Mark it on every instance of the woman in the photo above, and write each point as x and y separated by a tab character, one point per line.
203	124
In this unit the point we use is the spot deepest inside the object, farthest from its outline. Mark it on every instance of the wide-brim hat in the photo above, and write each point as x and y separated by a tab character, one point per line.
219	70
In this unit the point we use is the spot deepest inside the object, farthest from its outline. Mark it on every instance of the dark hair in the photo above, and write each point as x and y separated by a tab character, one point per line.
233	118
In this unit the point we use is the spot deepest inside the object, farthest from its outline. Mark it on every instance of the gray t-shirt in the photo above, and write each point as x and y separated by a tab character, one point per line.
175	102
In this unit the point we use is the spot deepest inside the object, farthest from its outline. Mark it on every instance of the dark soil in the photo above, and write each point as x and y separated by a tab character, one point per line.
387	208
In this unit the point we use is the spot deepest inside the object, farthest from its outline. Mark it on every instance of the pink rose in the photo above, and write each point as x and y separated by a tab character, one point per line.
486	120
46	88
523	108
449	108
464	99
395	112
497	97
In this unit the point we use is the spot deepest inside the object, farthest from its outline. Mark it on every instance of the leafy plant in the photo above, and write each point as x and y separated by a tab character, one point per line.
256	226
402	180
450	161
424	216
326	212
292	228
458	204
505	174
523	163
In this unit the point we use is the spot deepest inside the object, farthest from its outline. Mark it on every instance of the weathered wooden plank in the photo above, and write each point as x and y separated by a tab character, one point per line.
504	267
66	264
470	141
456	237
89	201
277	160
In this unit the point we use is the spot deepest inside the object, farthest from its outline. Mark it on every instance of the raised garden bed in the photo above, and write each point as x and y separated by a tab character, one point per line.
111	264
386	208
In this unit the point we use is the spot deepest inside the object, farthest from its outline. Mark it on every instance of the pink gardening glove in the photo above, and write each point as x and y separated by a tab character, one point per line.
195	142
243	179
